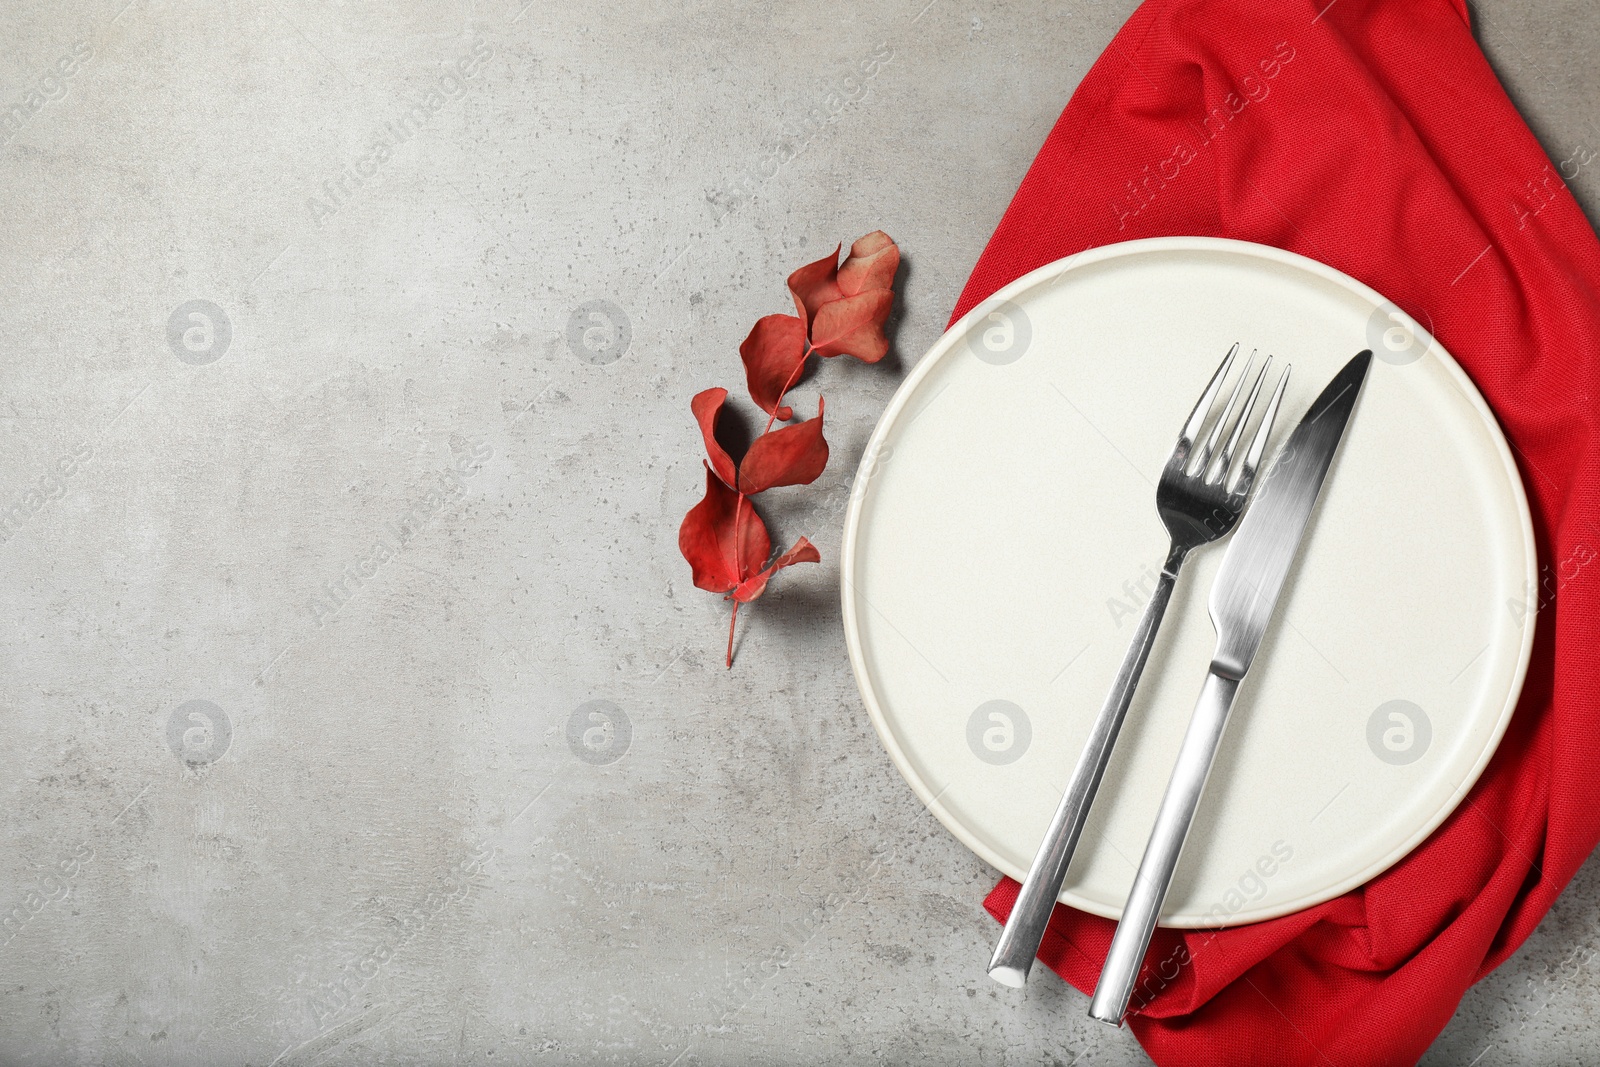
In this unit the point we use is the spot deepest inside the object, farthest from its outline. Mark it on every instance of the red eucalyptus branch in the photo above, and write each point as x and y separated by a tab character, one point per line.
840	310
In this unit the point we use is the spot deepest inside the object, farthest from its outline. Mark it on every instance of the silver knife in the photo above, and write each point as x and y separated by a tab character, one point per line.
1242	601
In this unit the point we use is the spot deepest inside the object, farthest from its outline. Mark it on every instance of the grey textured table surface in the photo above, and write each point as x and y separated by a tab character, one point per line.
372	842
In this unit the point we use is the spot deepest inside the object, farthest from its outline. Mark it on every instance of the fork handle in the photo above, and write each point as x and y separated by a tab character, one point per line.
1019	941
1178	807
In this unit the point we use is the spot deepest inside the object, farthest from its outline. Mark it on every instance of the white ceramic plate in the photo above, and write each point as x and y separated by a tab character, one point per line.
1003	522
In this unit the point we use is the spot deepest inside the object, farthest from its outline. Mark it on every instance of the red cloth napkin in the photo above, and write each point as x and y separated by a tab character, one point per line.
1370	135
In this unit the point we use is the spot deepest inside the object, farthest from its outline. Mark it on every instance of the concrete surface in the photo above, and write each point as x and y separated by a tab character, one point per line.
358	706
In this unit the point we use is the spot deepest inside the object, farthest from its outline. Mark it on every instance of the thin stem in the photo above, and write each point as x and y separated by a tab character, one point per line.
793	375
738	507
738	517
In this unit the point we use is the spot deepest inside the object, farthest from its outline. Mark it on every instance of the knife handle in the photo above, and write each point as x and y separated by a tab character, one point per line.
1178	806
1019	941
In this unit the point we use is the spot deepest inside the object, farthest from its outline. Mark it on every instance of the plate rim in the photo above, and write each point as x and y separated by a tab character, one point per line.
949	339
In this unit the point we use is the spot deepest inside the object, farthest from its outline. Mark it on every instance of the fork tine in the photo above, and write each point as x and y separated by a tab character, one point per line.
1215	435
1191	429
1258	445
1218	470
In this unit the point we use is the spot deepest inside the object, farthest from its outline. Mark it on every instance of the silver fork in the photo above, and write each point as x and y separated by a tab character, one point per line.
1197	505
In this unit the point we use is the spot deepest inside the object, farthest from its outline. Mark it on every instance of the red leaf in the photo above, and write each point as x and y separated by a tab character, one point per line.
853	326
871	264
706	407
802	552
773	355
815	284
793	455
707	538
844	306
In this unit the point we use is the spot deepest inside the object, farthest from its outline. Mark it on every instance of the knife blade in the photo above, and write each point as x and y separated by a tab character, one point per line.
1257	562
1243	597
